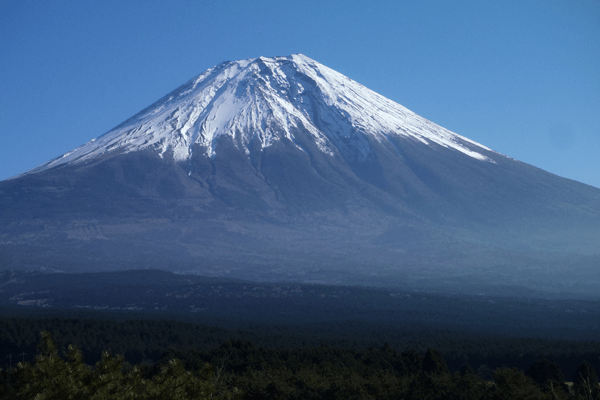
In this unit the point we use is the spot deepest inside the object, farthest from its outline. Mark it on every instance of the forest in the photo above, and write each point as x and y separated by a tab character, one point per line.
241	370
196	337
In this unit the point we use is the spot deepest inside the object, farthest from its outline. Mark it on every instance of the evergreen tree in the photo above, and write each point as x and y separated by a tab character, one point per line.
512	383
467	370
547	376
434	363
51	377
585	382
413	360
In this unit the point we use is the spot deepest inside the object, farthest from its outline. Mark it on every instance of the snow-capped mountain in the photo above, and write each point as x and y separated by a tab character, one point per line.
283	169
265	100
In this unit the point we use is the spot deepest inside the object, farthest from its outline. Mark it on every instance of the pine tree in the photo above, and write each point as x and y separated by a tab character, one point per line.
512	383
434	363
548	377
53	378
585	382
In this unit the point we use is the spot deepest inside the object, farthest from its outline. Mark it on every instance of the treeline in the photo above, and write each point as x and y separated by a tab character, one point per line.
137	340
52	377
227	303
242	370
145	341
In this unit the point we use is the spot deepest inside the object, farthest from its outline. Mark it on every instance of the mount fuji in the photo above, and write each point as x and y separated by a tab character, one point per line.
283	169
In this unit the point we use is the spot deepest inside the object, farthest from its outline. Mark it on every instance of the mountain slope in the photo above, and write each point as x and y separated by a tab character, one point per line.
282	168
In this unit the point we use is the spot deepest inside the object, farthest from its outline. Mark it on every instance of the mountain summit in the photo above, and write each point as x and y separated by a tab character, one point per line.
260	101
283	169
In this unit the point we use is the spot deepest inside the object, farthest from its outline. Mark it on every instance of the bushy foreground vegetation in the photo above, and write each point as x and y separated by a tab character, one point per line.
241	370
54	377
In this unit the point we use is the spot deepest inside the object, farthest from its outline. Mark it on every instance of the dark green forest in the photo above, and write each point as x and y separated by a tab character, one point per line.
241	370
150	334
238	304
145	341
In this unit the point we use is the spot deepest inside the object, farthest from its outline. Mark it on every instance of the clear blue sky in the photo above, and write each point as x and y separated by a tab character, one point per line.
521	77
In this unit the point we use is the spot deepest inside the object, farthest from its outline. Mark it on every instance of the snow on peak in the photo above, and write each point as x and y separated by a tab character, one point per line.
267	99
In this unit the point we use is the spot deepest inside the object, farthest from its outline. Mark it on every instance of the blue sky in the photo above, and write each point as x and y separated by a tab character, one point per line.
521	77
